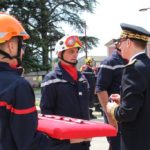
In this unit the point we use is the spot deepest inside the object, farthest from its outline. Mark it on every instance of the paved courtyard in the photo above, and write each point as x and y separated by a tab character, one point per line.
99	143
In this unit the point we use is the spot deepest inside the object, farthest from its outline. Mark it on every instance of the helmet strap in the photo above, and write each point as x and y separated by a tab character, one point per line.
6	55
62	58
17	57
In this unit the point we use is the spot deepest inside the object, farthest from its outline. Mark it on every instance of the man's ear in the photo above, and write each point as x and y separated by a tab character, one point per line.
10	46
128	42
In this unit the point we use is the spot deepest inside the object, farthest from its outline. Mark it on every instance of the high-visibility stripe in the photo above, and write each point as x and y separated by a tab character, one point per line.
23	111
2	34
91	73
52	81
17	111
112	67
81	79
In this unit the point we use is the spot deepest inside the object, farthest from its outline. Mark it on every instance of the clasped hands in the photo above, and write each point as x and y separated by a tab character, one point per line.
115	102
110	107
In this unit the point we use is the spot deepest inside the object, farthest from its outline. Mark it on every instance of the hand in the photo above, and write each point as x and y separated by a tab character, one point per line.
110	117
110	106
112	122
79	140
115	98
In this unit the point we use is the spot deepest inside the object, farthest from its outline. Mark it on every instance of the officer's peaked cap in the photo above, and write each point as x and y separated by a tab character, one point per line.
115	41
134	32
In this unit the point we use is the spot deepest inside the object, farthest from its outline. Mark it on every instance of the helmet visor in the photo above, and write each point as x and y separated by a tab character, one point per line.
72	41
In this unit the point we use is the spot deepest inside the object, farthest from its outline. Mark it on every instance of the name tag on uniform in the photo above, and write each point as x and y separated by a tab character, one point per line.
80	93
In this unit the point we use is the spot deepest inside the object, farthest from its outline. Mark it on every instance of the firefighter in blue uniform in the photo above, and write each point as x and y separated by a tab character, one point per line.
18	115
132	112
65	90
87	70
108	82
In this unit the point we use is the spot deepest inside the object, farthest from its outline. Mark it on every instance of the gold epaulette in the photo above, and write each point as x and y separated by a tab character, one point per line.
131	62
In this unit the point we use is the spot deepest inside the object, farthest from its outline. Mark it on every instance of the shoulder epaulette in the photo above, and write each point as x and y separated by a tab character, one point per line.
131	62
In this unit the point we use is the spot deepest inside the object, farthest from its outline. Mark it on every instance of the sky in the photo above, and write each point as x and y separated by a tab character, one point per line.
105	22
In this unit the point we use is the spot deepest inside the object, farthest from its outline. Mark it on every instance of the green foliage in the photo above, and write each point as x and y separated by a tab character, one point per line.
42	20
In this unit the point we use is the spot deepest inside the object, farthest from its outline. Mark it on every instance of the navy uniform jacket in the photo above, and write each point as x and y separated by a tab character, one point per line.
109	79
134	111
61	95
110	74
18	115
90	76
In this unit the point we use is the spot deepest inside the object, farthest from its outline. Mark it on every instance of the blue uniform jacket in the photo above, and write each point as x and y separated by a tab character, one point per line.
63	96
110	74
133	113
91	78
18	115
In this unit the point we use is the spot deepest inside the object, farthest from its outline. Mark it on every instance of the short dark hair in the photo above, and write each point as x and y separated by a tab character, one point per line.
139	43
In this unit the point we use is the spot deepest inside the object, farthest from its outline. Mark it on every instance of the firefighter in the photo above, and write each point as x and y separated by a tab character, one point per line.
88	71
18	115
65	90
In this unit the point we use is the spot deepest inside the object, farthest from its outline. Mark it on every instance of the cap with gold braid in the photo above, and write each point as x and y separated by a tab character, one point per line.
134	32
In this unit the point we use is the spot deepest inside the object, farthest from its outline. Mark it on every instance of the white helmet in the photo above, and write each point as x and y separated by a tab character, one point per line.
67	42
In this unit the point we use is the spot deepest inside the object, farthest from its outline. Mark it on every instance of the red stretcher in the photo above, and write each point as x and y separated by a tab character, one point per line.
61	127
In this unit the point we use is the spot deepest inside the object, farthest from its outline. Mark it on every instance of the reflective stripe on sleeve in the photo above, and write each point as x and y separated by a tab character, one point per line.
112	67
17	111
